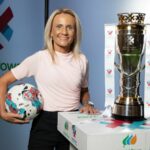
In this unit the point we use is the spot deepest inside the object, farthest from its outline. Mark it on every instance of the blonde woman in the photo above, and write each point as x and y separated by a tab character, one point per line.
61	74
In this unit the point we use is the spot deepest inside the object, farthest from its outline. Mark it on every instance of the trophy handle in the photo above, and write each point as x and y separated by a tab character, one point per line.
142	68
131	74
136	71
117	66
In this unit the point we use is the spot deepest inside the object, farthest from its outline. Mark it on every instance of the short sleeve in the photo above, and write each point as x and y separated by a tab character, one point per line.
85	71
27	68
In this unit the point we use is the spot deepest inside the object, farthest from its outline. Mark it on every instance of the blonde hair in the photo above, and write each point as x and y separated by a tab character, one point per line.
48	43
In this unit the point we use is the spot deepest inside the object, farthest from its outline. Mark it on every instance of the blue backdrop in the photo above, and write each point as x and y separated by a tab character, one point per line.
21	36
27	25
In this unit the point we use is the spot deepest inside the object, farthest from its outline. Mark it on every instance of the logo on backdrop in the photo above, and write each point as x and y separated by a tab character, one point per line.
5	29
7	66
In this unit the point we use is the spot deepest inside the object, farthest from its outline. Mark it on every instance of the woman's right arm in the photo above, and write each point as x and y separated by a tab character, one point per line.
5	81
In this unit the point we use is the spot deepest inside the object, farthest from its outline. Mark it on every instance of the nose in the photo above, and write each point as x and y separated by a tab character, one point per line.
64	30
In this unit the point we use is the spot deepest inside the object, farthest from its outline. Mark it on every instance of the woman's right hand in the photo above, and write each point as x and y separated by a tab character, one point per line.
13	118
6	80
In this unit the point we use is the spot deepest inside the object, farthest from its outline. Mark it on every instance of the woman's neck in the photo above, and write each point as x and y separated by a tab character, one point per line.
63	50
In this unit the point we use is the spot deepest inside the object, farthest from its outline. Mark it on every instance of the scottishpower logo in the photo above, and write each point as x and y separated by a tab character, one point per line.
129	140
5	29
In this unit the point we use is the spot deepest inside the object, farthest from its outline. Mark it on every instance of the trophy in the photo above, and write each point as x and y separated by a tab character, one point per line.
130	49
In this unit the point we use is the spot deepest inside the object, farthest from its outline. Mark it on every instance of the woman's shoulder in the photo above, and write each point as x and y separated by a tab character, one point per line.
42	52
83	57
38	55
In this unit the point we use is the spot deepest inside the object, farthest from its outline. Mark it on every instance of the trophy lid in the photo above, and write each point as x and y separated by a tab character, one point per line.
131	18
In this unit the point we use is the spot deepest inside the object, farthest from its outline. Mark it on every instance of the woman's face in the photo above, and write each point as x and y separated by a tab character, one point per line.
63	32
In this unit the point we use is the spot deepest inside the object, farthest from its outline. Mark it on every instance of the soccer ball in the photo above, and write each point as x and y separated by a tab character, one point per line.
24	99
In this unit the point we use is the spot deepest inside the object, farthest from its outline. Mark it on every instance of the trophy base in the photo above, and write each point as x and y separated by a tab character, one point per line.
128	112
128	118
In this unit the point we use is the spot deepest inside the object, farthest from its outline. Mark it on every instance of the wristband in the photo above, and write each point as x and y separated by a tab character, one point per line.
91	103
88	103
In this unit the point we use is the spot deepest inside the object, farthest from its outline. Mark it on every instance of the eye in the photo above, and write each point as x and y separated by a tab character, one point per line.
58	26
70	27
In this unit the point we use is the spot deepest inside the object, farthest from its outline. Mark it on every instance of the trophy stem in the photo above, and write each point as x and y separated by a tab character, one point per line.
129	105
130	85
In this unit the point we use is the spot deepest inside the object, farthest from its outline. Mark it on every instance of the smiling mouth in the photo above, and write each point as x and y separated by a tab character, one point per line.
65	38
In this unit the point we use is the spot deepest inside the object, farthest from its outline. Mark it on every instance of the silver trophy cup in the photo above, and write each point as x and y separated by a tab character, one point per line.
130	40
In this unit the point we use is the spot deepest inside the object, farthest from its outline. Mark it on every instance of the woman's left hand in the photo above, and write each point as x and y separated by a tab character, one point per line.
89	109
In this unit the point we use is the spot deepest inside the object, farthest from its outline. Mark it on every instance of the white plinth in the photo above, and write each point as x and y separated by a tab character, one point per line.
93	132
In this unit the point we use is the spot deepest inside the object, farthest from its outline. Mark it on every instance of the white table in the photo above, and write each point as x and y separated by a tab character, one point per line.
94	132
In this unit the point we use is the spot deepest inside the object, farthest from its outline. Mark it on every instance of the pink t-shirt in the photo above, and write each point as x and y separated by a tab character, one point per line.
60	83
